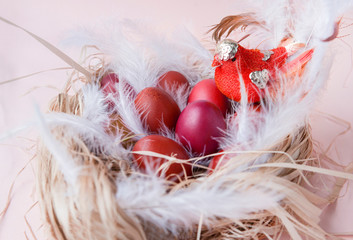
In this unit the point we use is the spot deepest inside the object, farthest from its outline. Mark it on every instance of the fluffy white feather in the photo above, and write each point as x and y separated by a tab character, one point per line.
65	161
125	106
92	134
91	127
197	58
95	108
147	198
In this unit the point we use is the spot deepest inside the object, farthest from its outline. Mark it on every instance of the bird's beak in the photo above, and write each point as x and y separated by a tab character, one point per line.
216	62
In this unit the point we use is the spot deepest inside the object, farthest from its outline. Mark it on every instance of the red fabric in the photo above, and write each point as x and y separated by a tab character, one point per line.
247	60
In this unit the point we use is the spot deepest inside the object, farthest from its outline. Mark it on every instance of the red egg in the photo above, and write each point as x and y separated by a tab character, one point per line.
108	83
157	108
173	79
208	91
218	161
199	125
165	146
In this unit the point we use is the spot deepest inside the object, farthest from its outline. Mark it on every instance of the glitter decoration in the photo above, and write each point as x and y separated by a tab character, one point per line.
260	78
267	54
227	49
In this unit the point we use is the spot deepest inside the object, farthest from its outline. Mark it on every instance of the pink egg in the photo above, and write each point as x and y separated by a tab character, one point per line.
108	83
198	126
208	91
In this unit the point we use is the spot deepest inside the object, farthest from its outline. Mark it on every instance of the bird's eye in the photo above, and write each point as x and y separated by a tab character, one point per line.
233	59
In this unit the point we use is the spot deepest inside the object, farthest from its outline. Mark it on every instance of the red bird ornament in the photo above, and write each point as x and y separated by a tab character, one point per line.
255	68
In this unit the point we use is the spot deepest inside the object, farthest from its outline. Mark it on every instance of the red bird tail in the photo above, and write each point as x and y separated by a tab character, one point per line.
297	65
291	46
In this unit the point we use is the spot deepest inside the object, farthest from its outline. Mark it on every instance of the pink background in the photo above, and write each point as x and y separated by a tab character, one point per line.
21	55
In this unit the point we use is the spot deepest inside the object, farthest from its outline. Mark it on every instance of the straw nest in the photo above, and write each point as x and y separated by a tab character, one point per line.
94	212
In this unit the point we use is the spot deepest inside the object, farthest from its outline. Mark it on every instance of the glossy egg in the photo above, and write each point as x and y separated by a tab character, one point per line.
199	125
165	146
157	108
173	79
208	91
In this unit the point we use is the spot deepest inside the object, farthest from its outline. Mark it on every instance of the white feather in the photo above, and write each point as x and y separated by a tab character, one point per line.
64	160
146	198
125	106
91	127
94	105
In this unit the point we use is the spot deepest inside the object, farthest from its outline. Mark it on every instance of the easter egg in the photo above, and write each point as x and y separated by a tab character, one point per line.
108	86
108	82
208	91
173	80
218	161
157	109
165	146
199	125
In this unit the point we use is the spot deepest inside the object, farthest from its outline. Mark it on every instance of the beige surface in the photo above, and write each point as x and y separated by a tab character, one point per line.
21	55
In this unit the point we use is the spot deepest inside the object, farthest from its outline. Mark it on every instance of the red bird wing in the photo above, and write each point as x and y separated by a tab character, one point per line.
277	59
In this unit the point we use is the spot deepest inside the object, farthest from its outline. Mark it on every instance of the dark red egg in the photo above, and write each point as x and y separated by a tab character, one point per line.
157	108
173	79
165	146
208	91
199	126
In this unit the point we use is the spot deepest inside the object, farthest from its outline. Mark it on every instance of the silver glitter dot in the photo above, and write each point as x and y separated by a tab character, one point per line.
267	54
227	49
260	78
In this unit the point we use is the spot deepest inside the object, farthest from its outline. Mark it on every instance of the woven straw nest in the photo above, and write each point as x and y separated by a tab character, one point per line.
268	198
95	213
